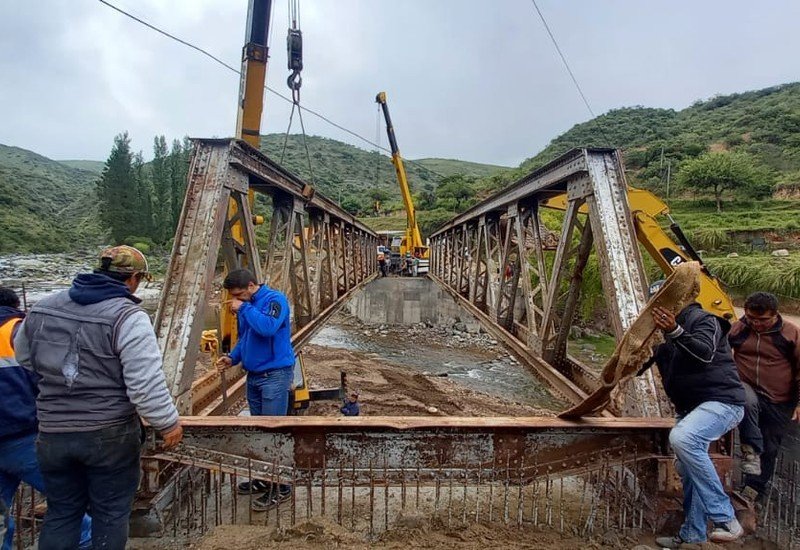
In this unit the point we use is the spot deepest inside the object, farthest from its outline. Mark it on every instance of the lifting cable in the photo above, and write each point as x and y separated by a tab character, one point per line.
294	56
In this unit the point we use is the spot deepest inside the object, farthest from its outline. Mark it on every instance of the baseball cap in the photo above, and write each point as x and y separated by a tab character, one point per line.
126	260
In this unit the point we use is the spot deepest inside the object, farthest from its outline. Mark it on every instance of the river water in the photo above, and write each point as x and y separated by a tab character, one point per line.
491	371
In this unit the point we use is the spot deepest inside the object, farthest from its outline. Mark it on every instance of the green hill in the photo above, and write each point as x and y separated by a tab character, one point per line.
44	205
95	166
344	172
763	123
452	167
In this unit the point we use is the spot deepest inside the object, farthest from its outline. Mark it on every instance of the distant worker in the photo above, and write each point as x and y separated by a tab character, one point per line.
767	353
415	266
700	378
383	265
18	425
264	349
98	364
351	406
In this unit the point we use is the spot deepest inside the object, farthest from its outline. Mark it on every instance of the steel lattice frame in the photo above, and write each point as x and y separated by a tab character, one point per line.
317	254
494	259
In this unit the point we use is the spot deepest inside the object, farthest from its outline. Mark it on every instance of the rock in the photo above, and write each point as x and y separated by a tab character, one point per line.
460	327
492	342
432	410
588	347
575	332
780	253
732	255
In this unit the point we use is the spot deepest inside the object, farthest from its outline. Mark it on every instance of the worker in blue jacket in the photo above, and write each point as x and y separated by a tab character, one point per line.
264	349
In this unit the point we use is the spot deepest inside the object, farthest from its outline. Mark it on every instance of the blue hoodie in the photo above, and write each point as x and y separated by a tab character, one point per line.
90	288
18	390
265	333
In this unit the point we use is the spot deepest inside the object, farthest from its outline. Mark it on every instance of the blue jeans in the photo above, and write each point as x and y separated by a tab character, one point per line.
268	392
97	470
18	463
703	496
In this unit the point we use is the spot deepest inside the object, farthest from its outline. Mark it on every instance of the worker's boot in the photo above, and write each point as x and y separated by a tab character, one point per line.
253	487
726	532
676	542
751	462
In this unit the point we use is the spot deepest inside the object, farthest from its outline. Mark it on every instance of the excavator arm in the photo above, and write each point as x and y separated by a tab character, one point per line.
645	208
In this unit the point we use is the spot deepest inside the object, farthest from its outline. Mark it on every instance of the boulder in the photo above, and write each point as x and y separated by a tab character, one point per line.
780	253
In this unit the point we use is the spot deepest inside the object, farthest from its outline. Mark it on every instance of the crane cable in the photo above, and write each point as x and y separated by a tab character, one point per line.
268	88
294	56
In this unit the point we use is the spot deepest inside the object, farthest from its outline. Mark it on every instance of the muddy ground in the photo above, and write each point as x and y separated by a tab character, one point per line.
388	388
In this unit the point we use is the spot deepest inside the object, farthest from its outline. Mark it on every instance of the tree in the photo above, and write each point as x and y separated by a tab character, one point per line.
162	209
426	198
178	170
116	190
720	172
378	196
144	199
456	188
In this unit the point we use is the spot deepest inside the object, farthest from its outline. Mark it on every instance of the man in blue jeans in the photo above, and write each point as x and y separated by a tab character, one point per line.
701	380
264	349
98	366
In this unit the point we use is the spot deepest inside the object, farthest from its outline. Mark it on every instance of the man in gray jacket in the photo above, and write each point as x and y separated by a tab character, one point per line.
99	364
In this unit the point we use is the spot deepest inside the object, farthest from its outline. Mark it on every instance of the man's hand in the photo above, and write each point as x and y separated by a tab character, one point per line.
796	415
235	305
223	363
172	437
664	319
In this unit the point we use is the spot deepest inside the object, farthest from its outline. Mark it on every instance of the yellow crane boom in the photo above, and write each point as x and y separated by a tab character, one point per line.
412	241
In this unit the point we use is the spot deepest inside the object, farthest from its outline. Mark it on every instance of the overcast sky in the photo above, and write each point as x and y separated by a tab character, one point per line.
473	80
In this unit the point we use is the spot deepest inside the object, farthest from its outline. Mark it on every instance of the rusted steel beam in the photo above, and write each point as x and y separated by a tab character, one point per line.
289	448
593	182
216	220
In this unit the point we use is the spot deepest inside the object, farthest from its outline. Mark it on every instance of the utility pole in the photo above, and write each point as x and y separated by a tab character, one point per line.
669	167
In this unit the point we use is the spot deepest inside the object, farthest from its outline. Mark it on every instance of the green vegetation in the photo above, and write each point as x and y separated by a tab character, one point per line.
722	172
350	175
45	205
141	200
95	166
747	274
764	124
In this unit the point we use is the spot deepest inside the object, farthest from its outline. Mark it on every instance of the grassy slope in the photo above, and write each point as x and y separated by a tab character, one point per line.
451	167
44	205
95	166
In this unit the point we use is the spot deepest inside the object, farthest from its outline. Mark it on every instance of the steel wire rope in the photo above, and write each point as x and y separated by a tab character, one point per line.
569	69
268	88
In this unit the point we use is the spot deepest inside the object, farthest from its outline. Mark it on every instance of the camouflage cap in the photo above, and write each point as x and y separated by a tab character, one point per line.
125	259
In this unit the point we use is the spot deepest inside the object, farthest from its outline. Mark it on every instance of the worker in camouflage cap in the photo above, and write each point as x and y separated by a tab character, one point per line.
125	260
99	369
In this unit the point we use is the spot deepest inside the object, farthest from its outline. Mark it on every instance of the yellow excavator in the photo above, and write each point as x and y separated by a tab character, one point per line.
411	244
645	208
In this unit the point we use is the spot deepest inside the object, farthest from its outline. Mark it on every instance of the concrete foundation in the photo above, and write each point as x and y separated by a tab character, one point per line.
408	301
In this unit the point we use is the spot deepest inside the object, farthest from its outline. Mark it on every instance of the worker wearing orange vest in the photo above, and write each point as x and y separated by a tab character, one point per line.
18	423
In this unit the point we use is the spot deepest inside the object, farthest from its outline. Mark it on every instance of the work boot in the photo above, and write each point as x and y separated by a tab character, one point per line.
253	487
726	531
671	542
751	462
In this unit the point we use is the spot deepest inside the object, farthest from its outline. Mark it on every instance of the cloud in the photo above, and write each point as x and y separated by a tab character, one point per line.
466	79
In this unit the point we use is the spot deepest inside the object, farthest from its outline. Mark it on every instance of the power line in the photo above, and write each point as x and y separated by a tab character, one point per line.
275	92
563	58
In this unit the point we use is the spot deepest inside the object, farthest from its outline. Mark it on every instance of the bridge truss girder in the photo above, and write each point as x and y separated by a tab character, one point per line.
495	259
316	253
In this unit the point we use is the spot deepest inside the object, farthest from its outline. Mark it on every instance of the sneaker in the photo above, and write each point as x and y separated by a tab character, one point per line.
751	462
726	531
749	494
253	487
269	500
670	542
